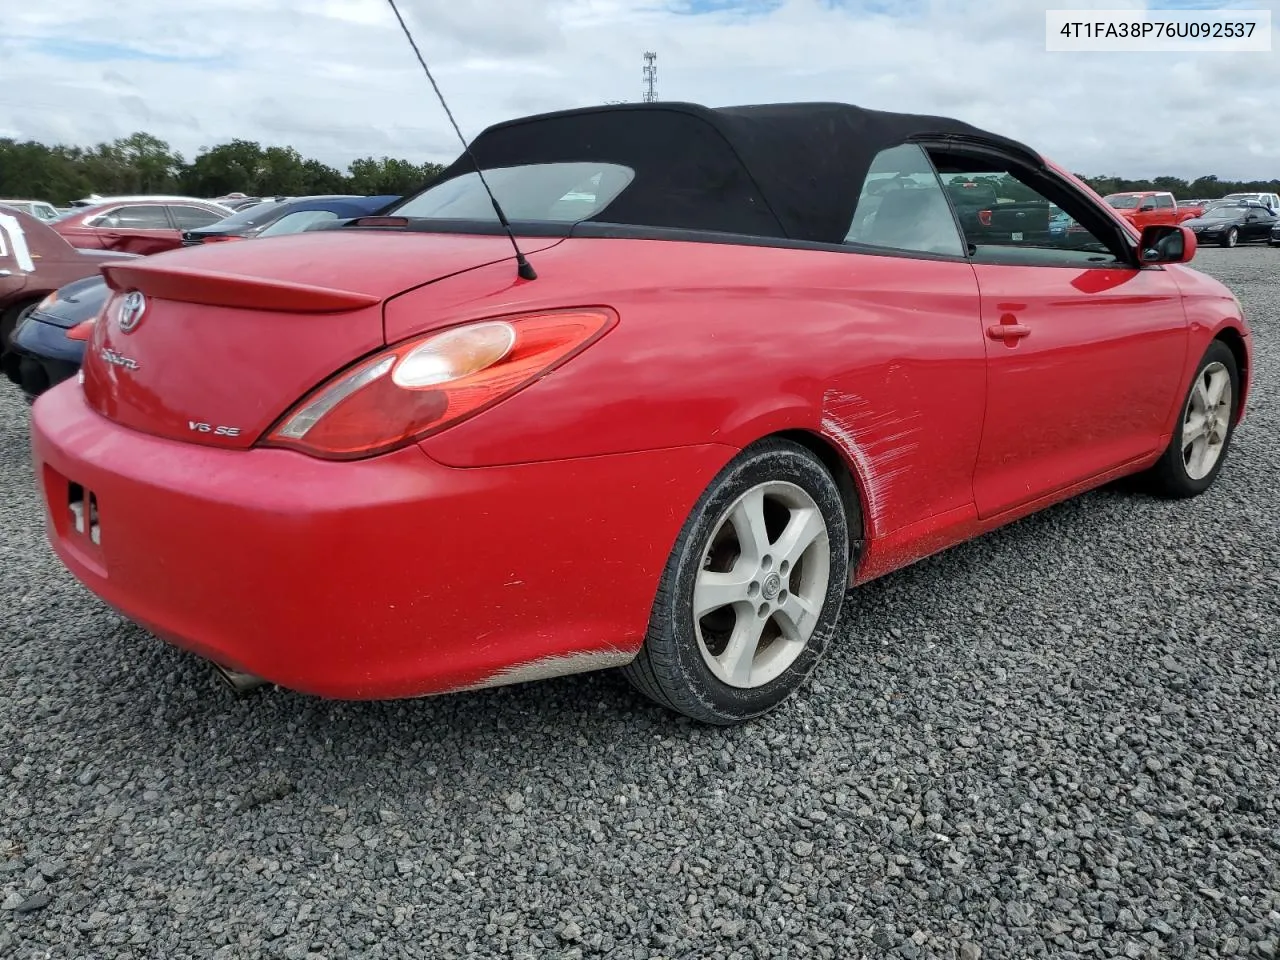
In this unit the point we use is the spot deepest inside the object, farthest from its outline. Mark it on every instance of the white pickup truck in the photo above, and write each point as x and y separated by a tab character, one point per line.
1269	200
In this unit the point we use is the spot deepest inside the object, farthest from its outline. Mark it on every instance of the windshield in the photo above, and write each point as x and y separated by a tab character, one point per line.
1123	201
1222	211
252	216
560	192
297	222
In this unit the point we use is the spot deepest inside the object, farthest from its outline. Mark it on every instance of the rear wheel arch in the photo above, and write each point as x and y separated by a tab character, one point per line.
853	492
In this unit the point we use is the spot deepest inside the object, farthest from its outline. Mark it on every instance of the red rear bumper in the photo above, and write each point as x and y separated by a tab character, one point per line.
390	577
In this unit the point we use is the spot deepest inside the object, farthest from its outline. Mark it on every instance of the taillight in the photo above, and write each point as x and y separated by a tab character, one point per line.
82	330
984	217
421	386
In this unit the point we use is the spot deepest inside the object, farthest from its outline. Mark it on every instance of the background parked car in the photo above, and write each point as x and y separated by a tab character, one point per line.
142	226
43	354
36	208
1059	223
46	346
1190	208
1230	222
1269	200
242	202
34	262
286	215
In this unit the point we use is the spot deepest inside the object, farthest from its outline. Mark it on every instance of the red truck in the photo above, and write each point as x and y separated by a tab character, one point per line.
1145	208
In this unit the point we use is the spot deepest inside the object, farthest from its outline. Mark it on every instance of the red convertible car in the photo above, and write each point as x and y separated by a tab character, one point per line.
758	360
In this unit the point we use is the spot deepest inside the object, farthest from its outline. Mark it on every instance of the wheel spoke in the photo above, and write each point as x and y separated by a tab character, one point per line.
796	619
805	526
748	523
1195	427
1207	456
1218	381
1198	458
739	656
1200	397
713	590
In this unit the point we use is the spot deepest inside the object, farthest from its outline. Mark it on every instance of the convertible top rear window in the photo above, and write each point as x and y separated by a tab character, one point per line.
558	192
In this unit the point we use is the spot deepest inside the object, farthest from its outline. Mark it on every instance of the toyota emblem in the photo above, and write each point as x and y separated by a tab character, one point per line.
132	308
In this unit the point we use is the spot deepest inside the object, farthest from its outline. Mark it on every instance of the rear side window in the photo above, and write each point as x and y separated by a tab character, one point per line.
559	192
189	218
1165	202
133	218
902	206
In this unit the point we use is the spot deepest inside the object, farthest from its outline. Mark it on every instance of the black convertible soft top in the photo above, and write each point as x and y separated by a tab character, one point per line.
787	170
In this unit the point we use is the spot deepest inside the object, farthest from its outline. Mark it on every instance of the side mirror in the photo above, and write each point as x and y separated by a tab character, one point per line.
1146	206
1166	244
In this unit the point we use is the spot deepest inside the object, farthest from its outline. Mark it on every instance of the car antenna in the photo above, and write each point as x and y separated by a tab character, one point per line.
523	267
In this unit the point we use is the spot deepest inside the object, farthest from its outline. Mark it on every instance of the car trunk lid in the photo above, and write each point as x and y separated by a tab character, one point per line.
230	336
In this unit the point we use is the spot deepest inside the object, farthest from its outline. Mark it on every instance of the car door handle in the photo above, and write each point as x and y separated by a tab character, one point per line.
1008	331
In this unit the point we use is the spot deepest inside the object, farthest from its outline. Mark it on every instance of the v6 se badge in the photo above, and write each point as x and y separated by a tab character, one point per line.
218	431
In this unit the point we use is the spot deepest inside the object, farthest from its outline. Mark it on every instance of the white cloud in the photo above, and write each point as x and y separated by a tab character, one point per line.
339	81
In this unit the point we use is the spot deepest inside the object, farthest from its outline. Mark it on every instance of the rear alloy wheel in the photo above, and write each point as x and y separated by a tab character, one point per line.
1203	434
750	596
1232	238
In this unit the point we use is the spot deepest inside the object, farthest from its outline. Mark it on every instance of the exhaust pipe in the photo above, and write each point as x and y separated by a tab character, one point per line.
240	683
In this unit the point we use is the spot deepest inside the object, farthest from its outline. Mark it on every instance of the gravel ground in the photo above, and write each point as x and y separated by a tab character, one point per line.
1062	740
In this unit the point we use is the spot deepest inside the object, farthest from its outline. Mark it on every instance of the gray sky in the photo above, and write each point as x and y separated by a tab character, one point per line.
339	81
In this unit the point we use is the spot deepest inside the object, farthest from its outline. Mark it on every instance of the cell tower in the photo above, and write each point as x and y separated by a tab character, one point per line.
650	77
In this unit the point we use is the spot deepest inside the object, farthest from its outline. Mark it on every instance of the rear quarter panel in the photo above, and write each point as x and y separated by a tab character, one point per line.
725	344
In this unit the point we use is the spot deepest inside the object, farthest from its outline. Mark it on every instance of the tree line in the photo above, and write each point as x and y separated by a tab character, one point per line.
142	163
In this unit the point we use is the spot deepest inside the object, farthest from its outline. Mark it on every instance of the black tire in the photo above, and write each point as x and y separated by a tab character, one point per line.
1169	477
670	667
1230	237
9	321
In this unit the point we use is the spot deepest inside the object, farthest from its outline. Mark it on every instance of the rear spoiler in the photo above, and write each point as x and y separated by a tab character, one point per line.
231	290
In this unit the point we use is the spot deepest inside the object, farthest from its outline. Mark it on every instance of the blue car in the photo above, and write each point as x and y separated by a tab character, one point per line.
46	355
280	215
1058	224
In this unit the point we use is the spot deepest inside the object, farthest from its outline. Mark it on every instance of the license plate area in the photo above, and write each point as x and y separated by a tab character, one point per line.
82	505
75	514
